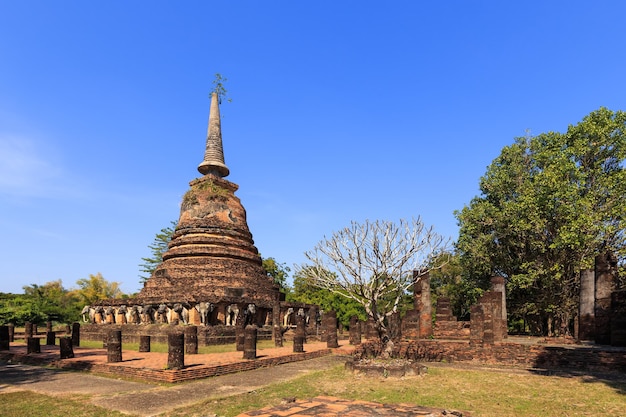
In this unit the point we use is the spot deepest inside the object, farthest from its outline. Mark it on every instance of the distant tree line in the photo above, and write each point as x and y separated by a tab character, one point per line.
51	301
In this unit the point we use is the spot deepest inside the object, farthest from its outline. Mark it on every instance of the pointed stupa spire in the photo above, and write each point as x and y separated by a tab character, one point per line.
213	162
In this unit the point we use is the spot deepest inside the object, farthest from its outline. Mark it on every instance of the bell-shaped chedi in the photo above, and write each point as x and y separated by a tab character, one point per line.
211	257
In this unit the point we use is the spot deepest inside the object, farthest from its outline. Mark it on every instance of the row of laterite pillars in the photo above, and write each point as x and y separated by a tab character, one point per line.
33	343
186	342
179	342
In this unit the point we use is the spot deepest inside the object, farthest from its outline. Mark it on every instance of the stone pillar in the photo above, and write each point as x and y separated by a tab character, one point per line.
240	337
586	306
249	343
11	327
499	325
298	344
498	286
28	330
491	303
33	345
618	318
114	346
301	327
370	329
299	337
476	324
51	338
424	305
604	286
277	334
355	331
144	343
395	332
191	340
65	345
76	334
322	330
175	350
331	329
4	337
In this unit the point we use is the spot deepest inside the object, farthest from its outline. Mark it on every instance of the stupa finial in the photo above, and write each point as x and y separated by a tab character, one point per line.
213	162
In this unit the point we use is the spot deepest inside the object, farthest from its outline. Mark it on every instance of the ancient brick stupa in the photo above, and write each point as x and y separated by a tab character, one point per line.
212	257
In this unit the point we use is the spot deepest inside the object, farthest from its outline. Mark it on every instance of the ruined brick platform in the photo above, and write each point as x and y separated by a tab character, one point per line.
335	407
150	366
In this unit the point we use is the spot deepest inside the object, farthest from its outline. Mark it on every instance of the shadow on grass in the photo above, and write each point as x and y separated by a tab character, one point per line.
18	374
596	364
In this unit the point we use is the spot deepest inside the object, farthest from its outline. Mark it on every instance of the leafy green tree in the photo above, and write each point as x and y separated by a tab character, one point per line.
38	304
96	288
53	301
305	291
448	279
549	204
158	248
18	309
279	273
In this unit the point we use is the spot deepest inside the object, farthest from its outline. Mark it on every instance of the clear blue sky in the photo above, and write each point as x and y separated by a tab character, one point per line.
342	110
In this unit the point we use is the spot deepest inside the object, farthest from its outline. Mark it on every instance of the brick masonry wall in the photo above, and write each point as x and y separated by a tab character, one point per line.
452	330
528	355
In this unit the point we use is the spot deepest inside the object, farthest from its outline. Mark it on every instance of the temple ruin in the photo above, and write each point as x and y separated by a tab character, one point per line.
211	272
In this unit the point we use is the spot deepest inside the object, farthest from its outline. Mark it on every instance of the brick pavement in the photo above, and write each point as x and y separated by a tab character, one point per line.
334	407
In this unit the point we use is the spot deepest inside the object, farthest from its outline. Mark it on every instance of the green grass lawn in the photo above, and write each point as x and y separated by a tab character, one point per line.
481	392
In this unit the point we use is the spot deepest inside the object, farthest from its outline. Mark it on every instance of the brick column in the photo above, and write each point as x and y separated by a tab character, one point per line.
498	286
175	350
618	318
355	331
33	345
144	343
299	337
249	343
114	346
604	286
370	329
586	306
476	324
28	330
66	349
424	305
331	329
191	340
75	334
4	337
51	338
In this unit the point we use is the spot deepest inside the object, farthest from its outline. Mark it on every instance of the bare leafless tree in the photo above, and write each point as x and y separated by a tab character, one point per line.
373	263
